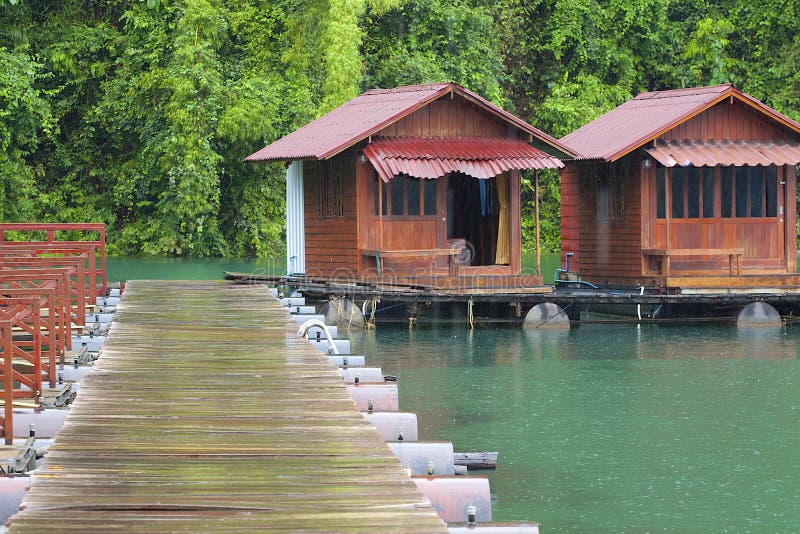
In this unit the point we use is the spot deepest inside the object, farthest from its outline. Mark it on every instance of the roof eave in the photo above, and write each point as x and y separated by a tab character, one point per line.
772	113
610	158
519	123
730	92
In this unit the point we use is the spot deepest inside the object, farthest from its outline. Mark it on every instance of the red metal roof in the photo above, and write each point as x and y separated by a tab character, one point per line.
433	157
648	115
372	111
739	153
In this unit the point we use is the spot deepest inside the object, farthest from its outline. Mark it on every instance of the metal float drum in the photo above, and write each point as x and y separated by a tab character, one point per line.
494	528
365	375
382	397
11	492
93	343
421	456
323	345
47	422
392	424
316	332
346	360
451	496
301	318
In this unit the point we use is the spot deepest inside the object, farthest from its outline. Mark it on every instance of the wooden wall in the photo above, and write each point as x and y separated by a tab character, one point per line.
331	242
606	250
611	248
570	215
727	121
448	117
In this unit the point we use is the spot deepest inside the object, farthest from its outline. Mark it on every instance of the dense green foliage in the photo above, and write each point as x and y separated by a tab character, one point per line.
139	113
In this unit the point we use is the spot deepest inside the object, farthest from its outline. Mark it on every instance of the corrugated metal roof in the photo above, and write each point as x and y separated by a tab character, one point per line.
370	112
433	157
648	115
711	153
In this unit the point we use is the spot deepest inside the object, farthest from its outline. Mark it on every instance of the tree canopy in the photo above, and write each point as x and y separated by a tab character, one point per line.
138	113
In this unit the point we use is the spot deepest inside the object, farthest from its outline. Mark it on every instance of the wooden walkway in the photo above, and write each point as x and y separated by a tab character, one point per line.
206	413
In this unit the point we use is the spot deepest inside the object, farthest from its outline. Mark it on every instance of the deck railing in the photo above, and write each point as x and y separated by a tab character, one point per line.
47	239
50	274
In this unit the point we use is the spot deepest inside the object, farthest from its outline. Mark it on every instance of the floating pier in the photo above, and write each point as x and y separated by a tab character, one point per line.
206	412
511	304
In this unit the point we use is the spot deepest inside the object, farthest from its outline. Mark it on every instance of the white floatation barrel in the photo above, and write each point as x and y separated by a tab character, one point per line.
391	425
347	360
759	315
47	422
11	492
451	496
324	346
365	375
423	456
382	397
302	318
546	315
292	301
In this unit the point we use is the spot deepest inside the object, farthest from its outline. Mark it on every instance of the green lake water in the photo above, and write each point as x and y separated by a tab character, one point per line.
614	429
679	428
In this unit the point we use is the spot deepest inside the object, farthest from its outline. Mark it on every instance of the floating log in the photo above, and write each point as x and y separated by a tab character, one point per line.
476	460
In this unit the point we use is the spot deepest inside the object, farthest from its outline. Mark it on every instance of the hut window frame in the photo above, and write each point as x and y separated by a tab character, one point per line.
397	201
749	192
698	198
692	192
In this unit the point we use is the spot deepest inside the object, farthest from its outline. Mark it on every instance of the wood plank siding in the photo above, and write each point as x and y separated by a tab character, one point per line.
331	237
611	244
726	121
448	117
570	215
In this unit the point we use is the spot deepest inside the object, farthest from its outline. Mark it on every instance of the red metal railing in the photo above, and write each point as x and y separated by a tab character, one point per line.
73	266
53	245
7	348
46	284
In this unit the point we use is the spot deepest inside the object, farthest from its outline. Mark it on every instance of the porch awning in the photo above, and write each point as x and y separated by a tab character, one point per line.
738	153
434	157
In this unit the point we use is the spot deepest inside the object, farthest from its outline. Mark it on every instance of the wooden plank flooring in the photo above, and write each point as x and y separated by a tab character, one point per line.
206	413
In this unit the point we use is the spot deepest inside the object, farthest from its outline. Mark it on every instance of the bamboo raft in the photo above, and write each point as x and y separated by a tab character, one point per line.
207	413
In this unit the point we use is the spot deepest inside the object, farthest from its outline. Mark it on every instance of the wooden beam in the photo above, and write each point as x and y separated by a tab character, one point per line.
538	232
515	237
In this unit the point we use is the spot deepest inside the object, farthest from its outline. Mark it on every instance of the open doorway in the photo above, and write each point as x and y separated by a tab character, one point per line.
474	209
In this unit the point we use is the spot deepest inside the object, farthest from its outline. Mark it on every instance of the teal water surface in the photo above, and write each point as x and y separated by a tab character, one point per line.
614	428
122	268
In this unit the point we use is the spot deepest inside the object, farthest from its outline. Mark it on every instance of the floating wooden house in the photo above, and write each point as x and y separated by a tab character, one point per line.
410	183
691	188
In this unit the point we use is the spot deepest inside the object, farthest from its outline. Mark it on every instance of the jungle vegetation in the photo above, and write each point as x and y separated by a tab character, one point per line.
138	113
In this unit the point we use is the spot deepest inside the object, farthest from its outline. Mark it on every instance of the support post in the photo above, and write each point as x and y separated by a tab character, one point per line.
379	185
538	233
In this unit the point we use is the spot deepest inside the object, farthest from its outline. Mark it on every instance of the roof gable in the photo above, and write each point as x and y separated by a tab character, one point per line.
651	114
372	111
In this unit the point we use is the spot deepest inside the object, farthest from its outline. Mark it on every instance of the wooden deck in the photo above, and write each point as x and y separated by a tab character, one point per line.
206	413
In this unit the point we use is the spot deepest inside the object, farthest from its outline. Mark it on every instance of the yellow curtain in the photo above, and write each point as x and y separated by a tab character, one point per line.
502	254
